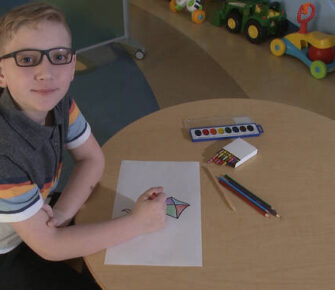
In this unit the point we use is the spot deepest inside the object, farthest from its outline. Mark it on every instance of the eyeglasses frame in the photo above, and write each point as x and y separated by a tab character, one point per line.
42	51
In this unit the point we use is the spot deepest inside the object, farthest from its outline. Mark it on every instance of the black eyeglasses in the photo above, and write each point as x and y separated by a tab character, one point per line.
33	57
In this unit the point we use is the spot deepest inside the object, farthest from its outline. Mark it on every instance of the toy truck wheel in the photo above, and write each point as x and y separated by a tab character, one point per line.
277	47
318	69
255	32
172	5
139	54
198	16
234	21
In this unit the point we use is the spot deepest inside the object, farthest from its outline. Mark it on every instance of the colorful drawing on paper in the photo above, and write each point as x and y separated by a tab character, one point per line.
174	207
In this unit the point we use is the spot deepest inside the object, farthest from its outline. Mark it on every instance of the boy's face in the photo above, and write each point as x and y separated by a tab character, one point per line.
37	89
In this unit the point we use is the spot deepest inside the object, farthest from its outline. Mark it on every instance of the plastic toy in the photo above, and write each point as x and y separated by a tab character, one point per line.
258	19
315	49
192	6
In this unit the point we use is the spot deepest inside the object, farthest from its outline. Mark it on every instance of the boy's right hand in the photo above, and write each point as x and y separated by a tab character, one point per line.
150	210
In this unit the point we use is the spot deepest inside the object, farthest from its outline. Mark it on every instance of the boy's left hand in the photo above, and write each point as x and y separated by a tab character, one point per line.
56	218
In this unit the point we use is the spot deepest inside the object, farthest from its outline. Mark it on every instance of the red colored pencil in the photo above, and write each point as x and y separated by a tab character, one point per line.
261	211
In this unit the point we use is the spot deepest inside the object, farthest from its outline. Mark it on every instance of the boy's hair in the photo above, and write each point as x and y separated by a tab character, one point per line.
31	14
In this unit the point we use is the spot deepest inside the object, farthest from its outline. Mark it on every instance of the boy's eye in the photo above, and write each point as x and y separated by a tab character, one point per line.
26	59
59	58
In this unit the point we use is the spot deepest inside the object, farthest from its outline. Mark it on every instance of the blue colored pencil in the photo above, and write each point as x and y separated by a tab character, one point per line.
253	196
243	194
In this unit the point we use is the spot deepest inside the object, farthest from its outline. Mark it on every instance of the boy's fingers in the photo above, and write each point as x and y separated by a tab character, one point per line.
161	197
52	222
152	193
47	208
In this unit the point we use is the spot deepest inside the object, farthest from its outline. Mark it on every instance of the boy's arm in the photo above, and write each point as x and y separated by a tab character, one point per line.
60	243
89	166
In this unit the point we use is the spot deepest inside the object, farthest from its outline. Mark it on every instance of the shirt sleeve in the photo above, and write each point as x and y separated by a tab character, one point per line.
79	129
20	199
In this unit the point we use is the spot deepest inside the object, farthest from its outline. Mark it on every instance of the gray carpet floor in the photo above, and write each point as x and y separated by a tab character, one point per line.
111	94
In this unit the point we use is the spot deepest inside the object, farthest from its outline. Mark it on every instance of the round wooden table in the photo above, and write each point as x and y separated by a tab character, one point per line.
293	171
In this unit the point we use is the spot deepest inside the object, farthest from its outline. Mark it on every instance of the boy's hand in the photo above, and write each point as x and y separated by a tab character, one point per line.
150	210
56	218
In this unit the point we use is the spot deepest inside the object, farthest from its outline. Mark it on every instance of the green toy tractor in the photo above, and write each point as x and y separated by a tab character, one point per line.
258	19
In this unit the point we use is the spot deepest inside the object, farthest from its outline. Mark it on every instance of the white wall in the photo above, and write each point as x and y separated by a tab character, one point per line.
324	19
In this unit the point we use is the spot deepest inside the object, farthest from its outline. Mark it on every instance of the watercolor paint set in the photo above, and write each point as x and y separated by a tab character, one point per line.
225	131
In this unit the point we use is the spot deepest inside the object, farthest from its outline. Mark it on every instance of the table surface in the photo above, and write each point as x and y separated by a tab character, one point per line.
293	171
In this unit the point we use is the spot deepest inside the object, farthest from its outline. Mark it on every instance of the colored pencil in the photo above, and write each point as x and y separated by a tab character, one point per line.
243	196
254	196
243	193
216	156
262	212
216	182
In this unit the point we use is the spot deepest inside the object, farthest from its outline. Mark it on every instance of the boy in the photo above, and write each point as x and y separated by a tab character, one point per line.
37	119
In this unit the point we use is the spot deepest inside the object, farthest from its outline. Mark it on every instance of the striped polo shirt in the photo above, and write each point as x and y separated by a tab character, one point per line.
31	160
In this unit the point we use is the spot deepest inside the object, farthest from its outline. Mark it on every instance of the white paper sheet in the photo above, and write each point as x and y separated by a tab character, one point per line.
179	243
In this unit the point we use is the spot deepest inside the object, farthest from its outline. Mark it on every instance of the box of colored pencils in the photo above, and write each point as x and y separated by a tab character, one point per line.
234	154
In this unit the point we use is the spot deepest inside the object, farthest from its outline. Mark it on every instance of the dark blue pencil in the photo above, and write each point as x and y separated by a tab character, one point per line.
229	187
249	193
243	194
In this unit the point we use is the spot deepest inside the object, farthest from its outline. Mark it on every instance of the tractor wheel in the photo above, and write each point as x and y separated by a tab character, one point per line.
234	22
198	16
172	5
318	69
277	47
255	32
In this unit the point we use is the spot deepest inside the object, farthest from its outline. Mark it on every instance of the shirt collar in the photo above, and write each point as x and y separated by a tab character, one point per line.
28	129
